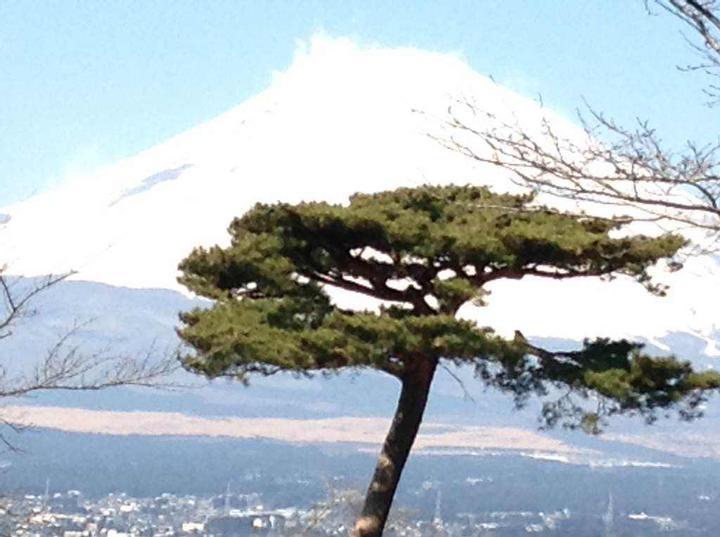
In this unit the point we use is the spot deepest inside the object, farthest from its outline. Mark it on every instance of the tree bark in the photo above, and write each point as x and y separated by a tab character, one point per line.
400	438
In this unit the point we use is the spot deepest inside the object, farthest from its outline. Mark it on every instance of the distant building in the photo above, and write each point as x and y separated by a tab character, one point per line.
193	528
248	523
609	518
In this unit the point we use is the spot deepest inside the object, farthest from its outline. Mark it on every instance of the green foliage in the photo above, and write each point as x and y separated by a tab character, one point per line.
423	253
602	379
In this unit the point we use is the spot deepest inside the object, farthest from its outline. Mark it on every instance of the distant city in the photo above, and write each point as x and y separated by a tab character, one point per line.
501	219
76	485
70	514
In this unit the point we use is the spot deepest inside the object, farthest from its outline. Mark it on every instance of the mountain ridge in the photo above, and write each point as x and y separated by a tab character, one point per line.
342	118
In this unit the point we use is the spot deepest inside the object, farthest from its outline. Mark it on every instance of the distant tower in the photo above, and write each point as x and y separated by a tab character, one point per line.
609	517
437	517
227	499
46	496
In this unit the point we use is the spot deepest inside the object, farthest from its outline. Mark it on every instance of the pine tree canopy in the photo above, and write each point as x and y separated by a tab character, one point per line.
424	252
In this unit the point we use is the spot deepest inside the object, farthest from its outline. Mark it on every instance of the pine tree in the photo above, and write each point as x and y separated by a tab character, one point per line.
423	253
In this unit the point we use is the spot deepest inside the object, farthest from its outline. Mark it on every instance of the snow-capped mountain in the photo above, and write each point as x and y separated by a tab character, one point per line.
341	119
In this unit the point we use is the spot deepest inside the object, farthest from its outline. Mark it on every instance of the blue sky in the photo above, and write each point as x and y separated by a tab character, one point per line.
83	84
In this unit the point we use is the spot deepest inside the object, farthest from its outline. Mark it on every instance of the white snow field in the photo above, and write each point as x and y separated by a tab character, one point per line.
342	118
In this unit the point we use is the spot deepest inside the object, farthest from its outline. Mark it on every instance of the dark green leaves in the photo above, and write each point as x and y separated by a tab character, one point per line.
415	236
602	379
424	252
240	337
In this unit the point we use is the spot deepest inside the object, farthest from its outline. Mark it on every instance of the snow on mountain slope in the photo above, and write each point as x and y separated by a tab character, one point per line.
342	118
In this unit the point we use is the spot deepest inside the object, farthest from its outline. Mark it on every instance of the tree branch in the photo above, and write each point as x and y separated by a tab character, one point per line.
631	171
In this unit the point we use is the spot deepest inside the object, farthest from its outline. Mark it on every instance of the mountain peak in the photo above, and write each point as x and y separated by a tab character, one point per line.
342	118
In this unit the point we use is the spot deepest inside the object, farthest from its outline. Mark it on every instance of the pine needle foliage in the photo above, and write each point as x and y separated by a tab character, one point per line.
423	253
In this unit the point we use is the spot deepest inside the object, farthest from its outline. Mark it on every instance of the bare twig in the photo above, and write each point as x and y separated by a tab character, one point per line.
65	366
466	394
703	18
609	165
630	171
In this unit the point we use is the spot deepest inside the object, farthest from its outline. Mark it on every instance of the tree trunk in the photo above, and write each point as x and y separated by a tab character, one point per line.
395	450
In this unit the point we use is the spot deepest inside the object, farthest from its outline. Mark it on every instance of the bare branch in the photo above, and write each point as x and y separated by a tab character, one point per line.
629	171
65	366
16	305
703	18
466	394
